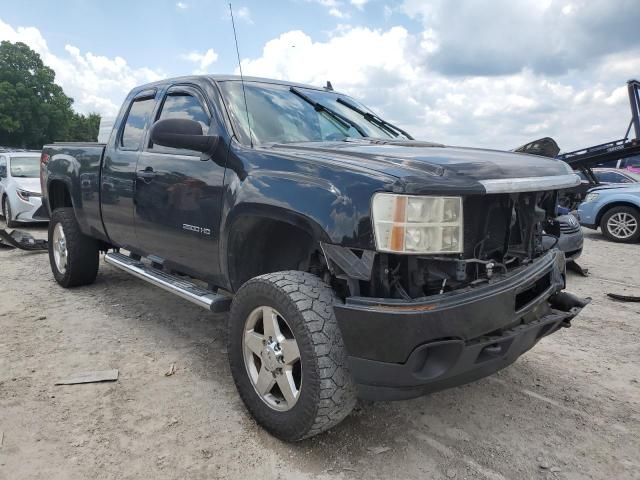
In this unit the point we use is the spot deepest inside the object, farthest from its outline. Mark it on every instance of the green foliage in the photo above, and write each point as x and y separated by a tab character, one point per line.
34	110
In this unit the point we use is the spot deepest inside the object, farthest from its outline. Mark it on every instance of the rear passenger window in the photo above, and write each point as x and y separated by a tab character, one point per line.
133	132
183	105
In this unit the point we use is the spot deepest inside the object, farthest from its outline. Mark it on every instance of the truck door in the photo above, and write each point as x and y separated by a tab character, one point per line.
178	195
117	181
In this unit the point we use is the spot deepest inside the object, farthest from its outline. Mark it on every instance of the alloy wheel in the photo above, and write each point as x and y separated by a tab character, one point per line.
59	245
272	358
622	225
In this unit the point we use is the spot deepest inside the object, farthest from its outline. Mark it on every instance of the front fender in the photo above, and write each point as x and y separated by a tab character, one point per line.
330	202
330	212
603	204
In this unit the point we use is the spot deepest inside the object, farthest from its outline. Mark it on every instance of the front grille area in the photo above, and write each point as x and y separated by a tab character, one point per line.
501	232
527	296
568	228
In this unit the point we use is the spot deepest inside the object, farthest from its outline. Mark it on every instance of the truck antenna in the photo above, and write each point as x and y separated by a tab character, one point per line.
244	93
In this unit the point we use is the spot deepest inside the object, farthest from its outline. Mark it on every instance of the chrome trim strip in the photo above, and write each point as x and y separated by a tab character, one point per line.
530	184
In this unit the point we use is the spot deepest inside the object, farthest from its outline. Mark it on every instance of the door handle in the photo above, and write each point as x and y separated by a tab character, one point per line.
146	174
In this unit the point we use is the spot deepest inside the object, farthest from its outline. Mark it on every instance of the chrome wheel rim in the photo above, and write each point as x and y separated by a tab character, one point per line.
59	245
272	358
622	225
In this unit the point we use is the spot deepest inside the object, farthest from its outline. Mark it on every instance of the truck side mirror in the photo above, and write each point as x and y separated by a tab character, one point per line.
182	133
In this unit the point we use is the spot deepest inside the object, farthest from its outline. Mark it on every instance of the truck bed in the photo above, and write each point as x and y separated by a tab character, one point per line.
77	166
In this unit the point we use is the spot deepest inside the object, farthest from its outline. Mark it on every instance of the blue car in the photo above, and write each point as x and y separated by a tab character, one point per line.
615	209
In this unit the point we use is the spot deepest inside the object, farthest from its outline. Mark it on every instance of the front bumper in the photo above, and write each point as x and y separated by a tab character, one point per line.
400	349
587	214
571	244
31	211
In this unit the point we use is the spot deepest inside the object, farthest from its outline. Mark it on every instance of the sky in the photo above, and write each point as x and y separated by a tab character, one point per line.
492	74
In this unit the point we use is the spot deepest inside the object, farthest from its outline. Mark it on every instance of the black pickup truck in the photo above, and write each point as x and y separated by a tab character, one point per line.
354	260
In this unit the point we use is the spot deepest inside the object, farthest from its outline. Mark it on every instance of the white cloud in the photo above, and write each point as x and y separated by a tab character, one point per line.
335	7
202	60
182	5
96	83
359	3
384	69
244	13
504	37
336	12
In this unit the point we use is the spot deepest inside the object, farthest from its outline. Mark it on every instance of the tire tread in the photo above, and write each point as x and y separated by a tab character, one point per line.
83	253
314	300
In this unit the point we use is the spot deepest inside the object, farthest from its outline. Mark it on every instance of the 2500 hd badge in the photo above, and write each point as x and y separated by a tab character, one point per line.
195	228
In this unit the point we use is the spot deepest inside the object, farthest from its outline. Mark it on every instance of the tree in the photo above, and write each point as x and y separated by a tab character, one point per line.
84	129
34	110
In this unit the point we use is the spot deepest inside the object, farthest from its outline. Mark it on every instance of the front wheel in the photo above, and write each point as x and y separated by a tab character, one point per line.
287	356
74	257
621	224
6	213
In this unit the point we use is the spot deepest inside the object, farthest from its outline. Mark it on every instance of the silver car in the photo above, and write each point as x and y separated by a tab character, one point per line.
20	191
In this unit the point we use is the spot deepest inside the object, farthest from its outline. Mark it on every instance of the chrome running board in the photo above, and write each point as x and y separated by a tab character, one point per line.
189	291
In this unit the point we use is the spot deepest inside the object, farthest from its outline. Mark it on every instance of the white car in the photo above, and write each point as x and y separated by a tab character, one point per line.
20	193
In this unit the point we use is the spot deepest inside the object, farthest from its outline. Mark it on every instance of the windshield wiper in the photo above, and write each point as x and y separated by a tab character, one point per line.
377	121
342	120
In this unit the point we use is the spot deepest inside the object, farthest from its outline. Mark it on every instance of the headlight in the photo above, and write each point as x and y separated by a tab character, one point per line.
591	197
417	224
25	194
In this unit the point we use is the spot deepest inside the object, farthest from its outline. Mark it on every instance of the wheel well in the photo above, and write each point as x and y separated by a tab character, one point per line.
609	206
259	245
59	195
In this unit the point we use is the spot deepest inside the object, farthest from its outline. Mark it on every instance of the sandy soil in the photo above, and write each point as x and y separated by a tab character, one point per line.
569	409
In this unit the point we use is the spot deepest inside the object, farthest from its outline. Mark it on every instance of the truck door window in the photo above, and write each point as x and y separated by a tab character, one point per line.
183	105
136	121
3	167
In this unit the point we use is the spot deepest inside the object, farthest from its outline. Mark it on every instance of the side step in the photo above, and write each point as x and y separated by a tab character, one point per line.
205	298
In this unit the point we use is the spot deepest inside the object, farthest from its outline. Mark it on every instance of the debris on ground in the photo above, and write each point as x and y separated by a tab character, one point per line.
90	377
1	438
173	421
21	240
572	266
171	371
623	298
378	450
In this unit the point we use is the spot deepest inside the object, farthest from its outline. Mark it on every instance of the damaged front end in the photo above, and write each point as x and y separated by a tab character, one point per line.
502	233
415	323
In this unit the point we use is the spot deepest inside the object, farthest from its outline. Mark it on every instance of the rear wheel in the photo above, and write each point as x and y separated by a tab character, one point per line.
621	224
287	357
73	256
6	213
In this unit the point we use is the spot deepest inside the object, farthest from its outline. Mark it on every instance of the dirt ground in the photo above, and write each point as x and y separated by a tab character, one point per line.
568	409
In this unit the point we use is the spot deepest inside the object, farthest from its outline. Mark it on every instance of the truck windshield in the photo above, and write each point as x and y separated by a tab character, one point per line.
280	114
25	167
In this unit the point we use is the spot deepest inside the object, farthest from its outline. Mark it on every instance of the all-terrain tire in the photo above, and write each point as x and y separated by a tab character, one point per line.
626	213
82	251
6	213
327	393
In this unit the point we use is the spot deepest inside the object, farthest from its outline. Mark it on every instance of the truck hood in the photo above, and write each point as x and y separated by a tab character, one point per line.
29	184
421	165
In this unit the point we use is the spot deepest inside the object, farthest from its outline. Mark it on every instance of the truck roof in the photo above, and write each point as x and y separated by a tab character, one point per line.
226	78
